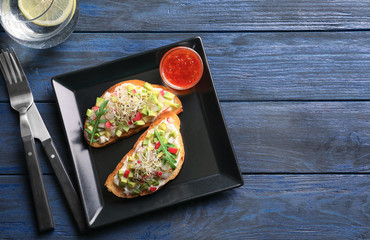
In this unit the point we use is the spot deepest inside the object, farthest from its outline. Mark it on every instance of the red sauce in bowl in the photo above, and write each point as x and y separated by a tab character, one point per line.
181	68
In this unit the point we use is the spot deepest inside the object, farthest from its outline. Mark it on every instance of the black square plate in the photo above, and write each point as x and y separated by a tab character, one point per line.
210	165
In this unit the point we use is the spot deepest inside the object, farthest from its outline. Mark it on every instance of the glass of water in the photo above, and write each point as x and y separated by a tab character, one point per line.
39	23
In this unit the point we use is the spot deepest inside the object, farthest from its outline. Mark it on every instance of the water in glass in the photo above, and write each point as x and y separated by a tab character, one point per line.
39	23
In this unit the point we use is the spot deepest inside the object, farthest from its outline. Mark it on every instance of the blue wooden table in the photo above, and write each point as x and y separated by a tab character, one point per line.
293	79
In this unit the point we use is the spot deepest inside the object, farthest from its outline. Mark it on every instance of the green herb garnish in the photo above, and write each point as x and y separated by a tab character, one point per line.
96	122
167	156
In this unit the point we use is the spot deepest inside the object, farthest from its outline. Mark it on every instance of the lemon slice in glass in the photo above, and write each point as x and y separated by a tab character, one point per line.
55	14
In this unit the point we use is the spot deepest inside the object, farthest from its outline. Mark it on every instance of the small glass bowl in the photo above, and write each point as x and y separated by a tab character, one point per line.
170	84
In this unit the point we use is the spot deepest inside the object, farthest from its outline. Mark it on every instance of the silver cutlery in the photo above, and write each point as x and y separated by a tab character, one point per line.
32	126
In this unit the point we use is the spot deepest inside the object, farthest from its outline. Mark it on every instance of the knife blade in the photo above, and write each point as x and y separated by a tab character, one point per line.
40	132
38	127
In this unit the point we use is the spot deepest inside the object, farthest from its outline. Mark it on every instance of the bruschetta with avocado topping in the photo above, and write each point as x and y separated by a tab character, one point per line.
125	109
155	159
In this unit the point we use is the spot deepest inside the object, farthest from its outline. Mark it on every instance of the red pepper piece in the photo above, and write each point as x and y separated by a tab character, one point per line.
153	189
137	117
127	172
95	108
158	173
157	145
172	150
129	123
108	124
169	119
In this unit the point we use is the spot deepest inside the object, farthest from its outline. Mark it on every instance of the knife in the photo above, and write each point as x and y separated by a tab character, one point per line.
40	132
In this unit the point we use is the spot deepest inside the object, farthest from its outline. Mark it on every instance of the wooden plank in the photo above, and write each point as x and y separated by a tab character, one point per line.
300	136
267	206
221	15
245	66
272	137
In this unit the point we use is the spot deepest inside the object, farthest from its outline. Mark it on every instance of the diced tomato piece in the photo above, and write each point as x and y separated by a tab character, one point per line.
108	124
162	93
138	162
127	172
95	108
157	145
134	91
137	117
153	189
158	173
172	150
129	123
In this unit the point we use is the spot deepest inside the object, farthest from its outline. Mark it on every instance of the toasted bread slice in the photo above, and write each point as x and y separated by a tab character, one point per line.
112	137
126	190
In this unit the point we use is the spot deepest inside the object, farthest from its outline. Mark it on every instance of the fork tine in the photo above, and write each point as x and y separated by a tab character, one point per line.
17	66
20	94
12	76
5	68
2	63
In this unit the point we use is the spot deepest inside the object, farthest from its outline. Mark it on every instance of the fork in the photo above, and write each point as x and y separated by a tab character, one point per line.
21	99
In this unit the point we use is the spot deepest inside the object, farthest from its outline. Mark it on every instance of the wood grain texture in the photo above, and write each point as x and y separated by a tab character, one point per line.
245	66
268	137
271	207
221	15
300	136
236	15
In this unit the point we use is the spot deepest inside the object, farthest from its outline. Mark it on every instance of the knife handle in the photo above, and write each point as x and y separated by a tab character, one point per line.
65	182
43	213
